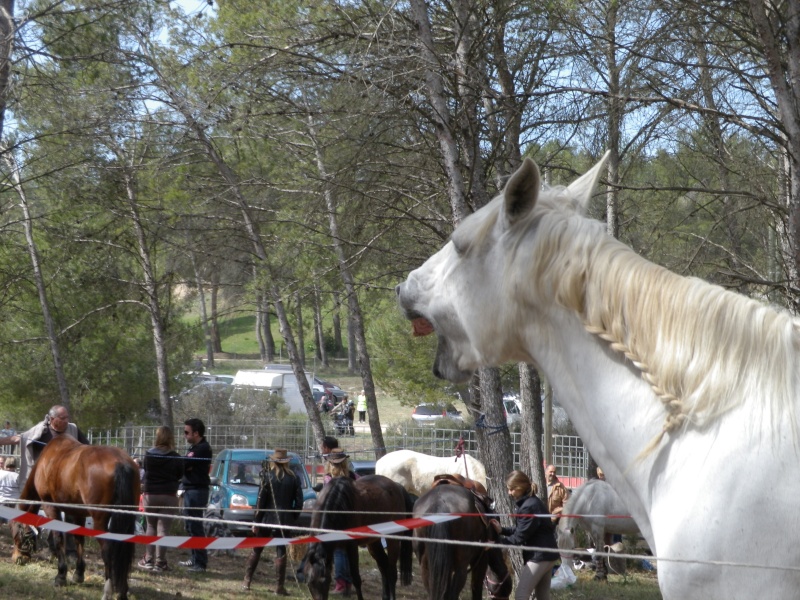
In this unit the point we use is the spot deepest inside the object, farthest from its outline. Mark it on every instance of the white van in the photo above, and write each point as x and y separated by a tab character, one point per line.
282	383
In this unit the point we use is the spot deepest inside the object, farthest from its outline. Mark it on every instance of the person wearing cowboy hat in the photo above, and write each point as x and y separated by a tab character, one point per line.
280	500
338	465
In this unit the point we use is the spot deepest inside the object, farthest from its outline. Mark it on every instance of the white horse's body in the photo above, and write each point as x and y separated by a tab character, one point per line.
415	471
598	509
624	343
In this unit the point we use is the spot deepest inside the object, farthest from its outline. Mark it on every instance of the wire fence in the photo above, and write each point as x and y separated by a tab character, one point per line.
569	455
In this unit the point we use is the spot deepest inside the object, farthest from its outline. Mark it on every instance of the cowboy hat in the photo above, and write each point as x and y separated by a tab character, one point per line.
280	456
337	455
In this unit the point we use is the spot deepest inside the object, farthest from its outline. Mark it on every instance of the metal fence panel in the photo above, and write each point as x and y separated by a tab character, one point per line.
569	455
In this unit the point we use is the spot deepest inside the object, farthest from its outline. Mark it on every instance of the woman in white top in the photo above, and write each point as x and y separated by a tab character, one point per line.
9	484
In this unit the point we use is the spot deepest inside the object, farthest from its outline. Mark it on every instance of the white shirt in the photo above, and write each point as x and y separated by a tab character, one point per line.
9	485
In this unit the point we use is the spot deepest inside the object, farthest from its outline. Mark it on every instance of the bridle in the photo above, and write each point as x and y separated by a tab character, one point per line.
492	585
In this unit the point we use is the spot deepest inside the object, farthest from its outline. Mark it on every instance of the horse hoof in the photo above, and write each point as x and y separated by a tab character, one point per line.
77	578
60	581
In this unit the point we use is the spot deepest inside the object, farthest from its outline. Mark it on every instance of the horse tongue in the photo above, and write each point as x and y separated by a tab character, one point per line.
421	326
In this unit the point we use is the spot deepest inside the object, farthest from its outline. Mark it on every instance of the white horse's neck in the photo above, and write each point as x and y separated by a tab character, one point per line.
615	412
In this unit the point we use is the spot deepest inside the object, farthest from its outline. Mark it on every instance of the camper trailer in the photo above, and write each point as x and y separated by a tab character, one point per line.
282	383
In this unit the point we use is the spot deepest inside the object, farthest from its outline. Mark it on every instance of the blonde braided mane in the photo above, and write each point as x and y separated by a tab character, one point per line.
703	350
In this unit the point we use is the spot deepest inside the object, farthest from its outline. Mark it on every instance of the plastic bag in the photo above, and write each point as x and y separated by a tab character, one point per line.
563	577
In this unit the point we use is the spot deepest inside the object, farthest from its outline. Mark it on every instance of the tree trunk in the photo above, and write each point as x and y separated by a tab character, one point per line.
153	304
337	324
322	352
203	313
352	359
494	439
298	317
782	57
356	320
216	339
7	32
268	337
49	324
262	343
531	451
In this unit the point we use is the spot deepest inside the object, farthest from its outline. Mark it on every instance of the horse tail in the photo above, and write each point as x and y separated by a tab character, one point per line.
440	559
121	554
406	546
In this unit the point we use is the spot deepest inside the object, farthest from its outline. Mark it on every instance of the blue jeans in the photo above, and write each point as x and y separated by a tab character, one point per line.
194	504
341	568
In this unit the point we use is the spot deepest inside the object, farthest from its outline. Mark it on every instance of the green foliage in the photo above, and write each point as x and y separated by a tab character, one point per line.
401	363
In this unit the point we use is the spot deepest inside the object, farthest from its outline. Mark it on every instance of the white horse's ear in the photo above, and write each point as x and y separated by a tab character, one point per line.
582	188
521	191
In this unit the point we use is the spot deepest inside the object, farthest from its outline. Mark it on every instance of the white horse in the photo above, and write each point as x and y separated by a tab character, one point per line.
682	390
596	508
415	471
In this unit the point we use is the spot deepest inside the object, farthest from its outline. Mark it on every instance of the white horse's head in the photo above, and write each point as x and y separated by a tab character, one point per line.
469	292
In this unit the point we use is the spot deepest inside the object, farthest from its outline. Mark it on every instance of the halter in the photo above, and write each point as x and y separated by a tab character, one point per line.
493	587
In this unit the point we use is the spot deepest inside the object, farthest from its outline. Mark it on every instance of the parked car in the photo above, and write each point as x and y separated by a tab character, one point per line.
513	408
428	412
320	387
235	479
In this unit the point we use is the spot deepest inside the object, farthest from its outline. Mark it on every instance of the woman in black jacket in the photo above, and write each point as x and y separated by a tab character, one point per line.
163	469
280	500
529	531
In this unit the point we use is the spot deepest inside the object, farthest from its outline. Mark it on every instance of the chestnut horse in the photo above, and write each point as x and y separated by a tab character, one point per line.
445	566
70	473
345	504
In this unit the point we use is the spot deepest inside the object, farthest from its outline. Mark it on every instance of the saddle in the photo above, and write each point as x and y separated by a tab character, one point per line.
483	501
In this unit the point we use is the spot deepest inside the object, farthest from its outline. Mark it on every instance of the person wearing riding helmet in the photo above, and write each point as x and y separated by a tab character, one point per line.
280	500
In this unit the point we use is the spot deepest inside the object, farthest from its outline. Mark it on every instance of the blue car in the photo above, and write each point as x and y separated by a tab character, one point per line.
235	479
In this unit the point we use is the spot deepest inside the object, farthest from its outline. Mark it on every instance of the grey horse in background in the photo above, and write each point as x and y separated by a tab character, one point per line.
597	509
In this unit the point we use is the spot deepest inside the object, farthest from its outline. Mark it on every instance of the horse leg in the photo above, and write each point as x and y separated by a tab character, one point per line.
478	575
601	571
80	563
108	586
58	546
386	565
424	572
352	562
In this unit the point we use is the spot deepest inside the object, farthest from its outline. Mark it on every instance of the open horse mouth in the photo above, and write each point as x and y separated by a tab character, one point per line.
421	326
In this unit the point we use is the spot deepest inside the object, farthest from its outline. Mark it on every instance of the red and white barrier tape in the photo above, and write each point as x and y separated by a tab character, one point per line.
226	543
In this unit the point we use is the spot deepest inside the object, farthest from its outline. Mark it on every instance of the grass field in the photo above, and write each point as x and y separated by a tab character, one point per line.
34	581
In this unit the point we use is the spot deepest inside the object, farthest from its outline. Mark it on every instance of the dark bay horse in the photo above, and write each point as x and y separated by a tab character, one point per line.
346	504
445	566
68	472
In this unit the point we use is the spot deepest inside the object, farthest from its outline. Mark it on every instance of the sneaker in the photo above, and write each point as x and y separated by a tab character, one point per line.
196	569
186	563
144	564
161	568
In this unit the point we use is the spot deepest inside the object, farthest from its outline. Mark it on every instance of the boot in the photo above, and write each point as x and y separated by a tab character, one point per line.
249	569
280	566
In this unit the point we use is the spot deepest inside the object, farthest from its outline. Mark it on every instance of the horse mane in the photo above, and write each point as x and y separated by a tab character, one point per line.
338	499
703	350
